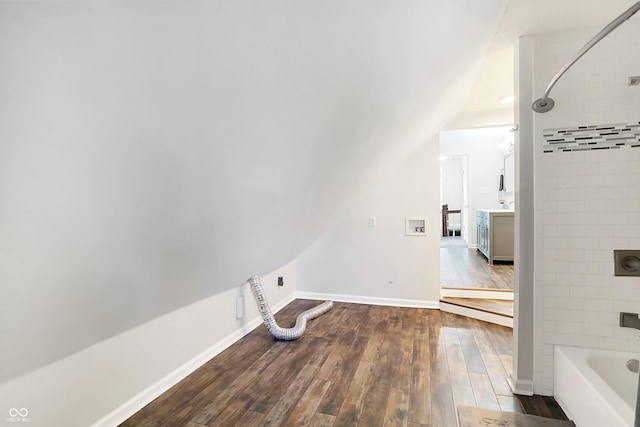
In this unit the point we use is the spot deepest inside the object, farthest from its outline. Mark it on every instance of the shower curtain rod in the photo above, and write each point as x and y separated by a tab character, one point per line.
544	104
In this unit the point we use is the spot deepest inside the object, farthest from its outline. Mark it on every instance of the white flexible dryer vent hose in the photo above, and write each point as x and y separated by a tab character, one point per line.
287	334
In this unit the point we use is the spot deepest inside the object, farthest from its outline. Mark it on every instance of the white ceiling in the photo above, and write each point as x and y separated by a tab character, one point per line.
531	17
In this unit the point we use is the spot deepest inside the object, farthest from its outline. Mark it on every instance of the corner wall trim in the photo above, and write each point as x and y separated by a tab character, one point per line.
357	299
137	402
522	387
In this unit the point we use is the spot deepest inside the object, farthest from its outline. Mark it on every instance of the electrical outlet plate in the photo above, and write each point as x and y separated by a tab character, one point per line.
626	262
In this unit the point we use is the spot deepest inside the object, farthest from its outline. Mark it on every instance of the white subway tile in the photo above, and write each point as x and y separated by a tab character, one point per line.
596	255
570	255
568	279
583	316
599	181
626	230
570	327
549	231
626	282
557	291
632	294
634	346
613	293
599	280
548	326
609	318
608	243
557	194
550	254
584	268
599	330
610	343
613	168
627	205
614	193
599	230
549	182
613	218
570	303
598	305
626	306
625	333
557	243
584	292
549	302
588	341
555	338
570	181
569	231
581	242
570	205
597	205
581	168
550	206
605	268
585	194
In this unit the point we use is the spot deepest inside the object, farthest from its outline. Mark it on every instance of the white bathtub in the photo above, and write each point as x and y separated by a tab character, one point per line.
594	387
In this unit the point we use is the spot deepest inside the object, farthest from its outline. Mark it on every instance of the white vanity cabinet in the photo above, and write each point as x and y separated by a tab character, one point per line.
495	234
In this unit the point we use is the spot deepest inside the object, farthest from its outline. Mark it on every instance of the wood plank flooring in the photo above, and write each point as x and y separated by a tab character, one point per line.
355	365
461	267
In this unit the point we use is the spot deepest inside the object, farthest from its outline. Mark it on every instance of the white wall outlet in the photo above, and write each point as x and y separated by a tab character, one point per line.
372	221
240	307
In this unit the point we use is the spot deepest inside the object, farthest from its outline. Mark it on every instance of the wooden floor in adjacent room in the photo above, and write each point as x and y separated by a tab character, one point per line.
462	267
355	365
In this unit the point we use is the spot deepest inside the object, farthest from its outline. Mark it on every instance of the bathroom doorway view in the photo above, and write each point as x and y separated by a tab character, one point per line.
472	170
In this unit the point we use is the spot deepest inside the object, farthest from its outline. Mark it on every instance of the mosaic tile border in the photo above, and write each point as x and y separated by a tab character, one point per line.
590	138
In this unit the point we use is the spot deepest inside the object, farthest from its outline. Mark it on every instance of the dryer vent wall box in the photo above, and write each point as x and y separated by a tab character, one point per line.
416	226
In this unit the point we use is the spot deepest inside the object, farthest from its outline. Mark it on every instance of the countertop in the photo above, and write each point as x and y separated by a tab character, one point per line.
498	210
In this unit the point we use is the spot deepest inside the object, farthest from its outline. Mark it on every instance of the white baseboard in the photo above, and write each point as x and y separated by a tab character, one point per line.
357	299
477	314
521	387
499	294
127	409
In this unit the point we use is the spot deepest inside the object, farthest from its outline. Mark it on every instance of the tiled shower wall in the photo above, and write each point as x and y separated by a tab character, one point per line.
587	188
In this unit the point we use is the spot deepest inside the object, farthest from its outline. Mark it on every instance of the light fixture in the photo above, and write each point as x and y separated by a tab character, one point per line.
507	99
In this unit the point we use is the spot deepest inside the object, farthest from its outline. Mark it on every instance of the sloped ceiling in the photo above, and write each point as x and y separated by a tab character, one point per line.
155	153
533	17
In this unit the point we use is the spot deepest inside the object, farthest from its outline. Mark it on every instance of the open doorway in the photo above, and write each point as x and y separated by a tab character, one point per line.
454	199
476	174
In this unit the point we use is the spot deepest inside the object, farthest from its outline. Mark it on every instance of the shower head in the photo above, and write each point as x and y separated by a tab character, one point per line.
544	104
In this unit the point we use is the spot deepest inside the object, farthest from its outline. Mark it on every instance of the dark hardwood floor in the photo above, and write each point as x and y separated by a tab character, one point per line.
355	365
461	267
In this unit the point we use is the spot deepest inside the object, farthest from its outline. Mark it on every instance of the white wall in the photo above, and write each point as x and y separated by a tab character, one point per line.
381	265
587	203
157	153
154	155
485	162
111	380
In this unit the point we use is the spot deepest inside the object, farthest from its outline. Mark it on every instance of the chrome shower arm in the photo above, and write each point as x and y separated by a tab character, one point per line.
545	103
